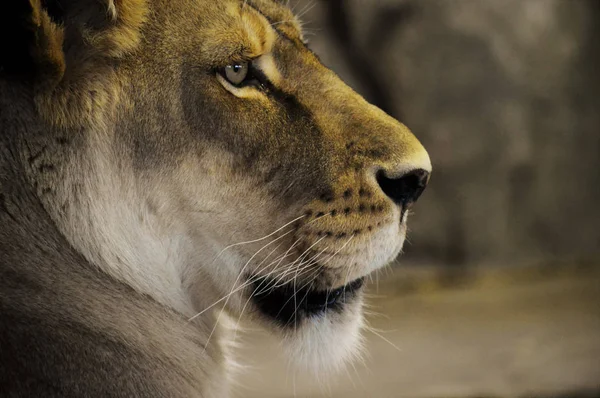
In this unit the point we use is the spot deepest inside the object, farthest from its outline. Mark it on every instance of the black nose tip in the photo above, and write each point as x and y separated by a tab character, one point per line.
405	189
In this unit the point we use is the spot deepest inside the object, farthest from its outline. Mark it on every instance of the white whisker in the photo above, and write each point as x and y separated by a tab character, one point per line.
237	279
376	333
259	239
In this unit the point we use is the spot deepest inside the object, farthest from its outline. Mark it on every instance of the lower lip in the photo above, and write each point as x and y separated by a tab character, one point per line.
287	304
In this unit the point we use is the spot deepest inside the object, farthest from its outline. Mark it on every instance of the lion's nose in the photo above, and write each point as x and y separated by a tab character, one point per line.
404	189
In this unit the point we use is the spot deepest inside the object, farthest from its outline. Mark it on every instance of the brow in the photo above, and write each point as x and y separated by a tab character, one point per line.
275	25
226	52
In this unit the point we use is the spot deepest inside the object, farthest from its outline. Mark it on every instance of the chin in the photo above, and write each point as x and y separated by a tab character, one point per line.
320	330
325	344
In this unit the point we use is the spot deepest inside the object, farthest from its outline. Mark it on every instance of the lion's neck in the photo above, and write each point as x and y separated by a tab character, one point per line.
113	224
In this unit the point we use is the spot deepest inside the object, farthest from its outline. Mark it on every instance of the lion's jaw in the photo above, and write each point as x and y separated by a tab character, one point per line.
250	258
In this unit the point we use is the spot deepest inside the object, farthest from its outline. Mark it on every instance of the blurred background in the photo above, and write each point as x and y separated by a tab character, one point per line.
498	293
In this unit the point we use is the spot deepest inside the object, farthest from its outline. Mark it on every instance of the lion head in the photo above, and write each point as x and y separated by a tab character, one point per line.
199	151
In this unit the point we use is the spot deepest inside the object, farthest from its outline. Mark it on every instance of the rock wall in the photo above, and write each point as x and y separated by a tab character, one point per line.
505	95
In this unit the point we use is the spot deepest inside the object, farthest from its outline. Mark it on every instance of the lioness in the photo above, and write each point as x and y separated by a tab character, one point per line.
167	164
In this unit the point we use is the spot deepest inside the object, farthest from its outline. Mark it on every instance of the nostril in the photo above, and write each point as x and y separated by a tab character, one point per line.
405	189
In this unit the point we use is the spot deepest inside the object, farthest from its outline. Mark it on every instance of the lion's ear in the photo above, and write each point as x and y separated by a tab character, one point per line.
31	42
40	37
108	27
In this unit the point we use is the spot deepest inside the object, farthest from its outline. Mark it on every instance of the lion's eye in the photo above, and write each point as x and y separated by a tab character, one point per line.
236	73
243	74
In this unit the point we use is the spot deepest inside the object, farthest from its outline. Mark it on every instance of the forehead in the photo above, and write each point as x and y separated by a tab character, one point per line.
244	29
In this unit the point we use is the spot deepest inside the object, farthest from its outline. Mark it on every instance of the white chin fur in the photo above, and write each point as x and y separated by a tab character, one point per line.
325	344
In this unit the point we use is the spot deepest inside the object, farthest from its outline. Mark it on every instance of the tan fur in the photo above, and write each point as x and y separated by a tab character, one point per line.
170	180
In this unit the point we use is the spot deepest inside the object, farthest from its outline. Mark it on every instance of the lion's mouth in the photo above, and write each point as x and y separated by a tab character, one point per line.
287	304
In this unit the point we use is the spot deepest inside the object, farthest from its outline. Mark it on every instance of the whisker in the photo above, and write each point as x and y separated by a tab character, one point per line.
306	9
376	333
259	239
236	281
339	250
301	262
249	282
